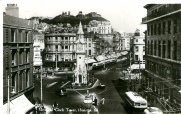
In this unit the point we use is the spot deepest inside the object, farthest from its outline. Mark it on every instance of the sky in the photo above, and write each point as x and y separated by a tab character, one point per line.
124	15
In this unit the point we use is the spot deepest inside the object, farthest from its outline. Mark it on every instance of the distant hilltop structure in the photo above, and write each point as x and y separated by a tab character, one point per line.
12	10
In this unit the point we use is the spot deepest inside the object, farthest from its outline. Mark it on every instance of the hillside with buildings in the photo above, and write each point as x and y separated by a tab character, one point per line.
73	20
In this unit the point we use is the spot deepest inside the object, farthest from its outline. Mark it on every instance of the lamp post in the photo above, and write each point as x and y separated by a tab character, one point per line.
8	108
41	83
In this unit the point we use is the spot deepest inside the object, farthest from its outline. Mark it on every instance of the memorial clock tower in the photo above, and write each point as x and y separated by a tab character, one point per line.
81	71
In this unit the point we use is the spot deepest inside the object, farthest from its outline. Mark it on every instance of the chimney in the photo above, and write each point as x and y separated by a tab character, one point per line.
12	10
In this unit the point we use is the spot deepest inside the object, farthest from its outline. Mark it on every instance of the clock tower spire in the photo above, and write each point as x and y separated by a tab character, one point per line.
81	71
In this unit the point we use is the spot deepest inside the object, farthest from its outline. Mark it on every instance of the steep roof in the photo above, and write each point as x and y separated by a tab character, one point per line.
80	30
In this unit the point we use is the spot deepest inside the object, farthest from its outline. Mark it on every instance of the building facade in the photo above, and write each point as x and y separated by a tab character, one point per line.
18	61
60	51
38	47
138	50
163	55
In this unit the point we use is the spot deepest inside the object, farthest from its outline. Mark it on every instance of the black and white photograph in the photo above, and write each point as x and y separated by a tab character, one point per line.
90	57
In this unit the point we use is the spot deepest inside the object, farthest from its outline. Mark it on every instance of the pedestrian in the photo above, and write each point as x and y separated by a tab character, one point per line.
96	110
102	101
55	106
36	107
95	101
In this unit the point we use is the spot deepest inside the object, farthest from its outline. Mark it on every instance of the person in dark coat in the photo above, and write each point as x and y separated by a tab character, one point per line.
95	101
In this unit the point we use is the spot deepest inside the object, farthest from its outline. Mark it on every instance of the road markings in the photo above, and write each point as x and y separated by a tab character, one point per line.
79	93
49	85
65	84
102	91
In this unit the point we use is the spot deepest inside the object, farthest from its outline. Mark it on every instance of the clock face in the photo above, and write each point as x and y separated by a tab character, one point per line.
79	47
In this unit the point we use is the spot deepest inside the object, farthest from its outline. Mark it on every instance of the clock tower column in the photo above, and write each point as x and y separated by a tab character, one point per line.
81	71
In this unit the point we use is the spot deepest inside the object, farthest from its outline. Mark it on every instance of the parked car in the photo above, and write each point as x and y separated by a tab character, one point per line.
153	110
61	92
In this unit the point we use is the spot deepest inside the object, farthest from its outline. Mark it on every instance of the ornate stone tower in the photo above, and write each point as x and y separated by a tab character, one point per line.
81	71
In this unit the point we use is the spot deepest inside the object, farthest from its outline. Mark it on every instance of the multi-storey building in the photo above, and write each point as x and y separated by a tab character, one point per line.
138	50
125	43
101	27
38	46
18	64
90	44
163	55
60	50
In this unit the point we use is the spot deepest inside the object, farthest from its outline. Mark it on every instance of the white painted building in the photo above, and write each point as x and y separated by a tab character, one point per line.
138	50
101	27
38	46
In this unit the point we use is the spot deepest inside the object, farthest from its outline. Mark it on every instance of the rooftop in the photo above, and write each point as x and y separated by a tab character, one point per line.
15	21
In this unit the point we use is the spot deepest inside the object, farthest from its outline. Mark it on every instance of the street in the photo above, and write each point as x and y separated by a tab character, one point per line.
75	97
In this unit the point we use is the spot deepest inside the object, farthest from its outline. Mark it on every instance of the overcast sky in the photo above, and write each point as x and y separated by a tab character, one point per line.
124	16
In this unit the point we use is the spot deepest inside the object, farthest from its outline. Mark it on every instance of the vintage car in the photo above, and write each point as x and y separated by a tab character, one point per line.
153	110
101	86
61	92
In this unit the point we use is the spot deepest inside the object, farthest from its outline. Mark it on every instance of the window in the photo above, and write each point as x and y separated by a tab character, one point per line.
155	29
175	26
26	36
175	50
89	44
136	48
159	48
163	28
151	30
14	58
136	57
27	56
159	28
148	30
143	48
155	48
56	47
169	27
163	52
151	47
89	52
169	48
136	40
12	35
66	47
27	78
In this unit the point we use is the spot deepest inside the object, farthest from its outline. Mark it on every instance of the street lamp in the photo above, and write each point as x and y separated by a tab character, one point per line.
13	92
41	83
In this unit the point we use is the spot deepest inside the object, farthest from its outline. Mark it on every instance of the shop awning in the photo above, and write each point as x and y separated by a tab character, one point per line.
124	53
20	105
87	61
101	58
